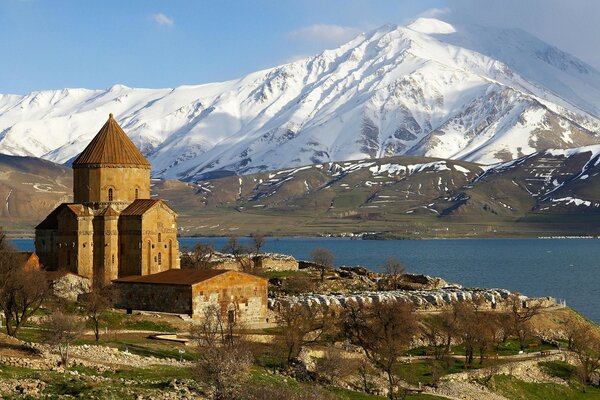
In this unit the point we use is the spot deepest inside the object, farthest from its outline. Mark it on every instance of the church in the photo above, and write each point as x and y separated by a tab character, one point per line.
113	228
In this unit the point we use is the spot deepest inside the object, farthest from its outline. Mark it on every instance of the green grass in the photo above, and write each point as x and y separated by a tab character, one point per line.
145	325
515	389
559	369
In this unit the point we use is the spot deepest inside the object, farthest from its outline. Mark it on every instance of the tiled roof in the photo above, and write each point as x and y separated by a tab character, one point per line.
111	146
51	221
109	212
140	206
185	277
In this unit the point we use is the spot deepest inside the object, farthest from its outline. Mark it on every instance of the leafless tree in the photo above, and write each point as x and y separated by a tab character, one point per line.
324	260
394	270
440	329
240	253
586	347
224	362
258	241
384	330
61	330
521	314
21	291
300	325
333	367
199	257
95	304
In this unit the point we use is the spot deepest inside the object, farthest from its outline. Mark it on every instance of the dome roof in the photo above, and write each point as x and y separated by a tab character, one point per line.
111	146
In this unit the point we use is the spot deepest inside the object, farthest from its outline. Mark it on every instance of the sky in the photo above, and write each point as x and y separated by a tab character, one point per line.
53	44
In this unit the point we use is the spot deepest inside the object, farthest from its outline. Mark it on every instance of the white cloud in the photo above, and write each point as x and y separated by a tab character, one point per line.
324	34
163	20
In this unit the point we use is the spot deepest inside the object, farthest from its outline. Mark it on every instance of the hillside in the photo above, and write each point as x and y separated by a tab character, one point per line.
553	192
426	89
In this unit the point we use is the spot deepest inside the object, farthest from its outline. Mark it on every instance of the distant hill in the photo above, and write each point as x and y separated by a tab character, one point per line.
553	192
29	189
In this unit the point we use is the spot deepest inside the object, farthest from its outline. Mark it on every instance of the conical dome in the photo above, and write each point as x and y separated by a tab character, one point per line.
111	146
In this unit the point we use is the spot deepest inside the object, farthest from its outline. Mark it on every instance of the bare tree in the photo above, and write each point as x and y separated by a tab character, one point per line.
300	325
199	257
324	260
240	253
224	363
384	330
440	329
333	367
61	330
258	241
21	291
394	270
586	346
521	314
96	303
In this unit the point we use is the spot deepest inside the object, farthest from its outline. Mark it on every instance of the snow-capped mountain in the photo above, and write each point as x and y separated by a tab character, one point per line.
429	88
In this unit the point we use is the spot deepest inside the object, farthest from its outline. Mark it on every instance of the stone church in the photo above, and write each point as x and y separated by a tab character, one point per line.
113	228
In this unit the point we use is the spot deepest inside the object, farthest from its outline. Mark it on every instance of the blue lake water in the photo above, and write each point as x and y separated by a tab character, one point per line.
563	268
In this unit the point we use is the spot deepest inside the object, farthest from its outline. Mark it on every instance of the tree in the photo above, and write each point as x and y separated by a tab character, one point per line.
96	303
440	329
239	252
224	363
333	367
61	330
324	260
394	270
199	257
521	314
586	346
300	325
384	330
21	292
258	241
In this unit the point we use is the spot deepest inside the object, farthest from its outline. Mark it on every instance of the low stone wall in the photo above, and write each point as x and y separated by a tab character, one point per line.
437	299
275	262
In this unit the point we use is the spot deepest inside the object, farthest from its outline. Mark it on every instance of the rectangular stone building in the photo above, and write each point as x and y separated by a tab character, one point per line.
238	295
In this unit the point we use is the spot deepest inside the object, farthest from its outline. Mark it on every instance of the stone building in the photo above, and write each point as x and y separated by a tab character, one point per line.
239	296
113	228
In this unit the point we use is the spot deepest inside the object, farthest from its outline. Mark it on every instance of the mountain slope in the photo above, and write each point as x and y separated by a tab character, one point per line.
427	89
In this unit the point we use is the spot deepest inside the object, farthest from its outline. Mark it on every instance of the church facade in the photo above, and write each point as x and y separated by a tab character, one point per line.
113	228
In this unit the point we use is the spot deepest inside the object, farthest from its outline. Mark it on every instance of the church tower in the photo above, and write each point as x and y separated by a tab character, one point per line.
113	228
111	170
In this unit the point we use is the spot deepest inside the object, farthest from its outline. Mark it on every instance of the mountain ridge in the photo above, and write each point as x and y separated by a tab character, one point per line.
427	89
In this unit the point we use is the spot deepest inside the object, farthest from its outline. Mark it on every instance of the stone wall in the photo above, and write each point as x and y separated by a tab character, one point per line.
438	299
275	262
176	299
242	295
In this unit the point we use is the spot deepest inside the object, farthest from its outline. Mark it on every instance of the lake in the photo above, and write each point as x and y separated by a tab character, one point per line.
566	269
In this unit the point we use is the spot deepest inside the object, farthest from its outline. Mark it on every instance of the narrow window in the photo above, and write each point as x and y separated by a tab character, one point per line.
110	194
159	259
159	237
137	193
113	259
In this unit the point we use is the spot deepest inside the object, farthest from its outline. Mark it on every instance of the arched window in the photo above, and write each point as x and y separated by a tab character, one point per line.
110	194
159	259
159	237
137	193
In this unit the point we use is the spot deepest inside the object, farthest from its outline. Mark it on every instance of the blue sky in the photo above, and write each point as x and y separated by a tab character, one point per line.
51	44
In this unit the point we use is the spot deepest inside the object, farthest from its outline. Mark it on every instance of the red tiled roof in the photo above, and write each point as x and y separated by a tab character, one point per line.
185	277
111	146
